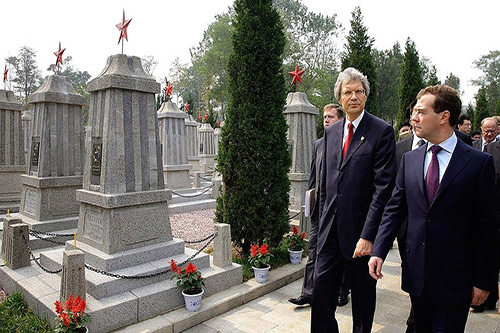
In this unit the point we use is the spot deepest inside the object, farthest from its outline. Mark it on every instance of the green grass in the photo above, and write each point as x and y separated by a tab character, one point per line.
15	316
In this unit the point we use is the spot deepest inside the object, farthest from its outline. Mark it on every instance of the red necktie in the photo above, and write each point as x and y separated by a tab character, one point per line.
348	140
432	179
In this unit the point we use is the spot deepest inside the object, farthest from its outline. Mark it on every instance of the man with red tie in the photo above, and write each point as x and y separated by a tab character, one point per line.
450	251
357	177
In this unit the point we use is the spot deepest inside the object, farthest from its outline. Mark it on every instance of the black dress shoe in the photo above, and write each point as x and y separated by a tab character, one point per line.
301	300
343	300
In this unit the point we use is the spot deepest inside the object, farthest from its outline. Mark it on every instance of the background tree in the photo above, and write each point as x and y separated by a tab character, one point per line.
482	108
253	153
490	80
186	85
411	79
149	64
453	81
358	54
388	64
432	79
27	77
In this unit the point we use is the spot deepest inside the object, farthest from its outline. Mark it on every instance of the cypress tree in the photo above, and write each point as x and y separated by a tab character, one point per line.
411	79
253	153
359	55
482	108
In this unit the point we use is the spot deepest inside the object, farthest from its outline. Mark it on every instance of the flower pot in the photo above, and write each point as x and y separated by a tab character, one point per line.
295	256
193	302
261	273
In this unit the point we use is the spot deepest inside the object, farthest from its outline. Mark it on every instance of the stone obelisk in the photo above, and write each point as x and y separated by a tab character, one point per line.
12	158
300	117
123	203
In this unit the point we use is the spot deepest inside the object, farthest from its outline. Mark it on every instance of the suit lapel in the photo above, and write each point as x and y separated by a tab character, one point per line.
418	169
358	138
458	161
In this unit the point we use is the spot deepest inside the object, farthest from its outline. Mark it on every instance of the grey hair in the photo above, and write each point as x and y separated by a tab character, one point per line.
347	75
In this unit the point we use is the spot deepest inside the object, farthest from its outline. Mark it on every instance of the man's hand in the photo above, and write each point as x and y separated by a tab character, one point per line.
375	267
479	296
363	248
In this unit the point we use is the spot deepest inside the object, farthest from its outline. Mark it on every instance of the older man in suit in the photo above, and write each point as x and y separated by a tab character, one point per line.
450	248
488	133
357	176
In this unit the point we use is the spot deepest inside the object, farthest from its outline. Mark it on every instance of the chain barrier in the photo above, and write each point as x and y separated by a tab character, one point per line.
291	218
192	196
121	276
36	235
50	233
36	260
206	179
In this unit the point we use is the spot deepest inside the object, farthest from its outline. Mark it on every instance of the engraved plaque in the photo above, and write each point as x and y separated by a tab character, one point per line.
96	160
35	151
30	201
93	227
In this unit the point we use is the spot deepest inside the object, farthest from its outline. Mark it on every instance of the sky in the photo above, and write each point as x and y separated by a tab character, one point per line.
451	35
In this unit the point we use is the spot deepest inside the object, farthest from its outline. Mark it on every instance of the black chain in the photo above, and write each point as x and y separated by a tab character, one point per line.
198	241
34	234
192	196
36	260
206	179
121	276
50	233
291	218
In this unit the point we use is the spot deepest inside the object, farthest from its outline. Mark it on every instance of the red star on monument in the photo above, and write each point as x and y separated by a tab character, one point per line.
59	54
186	106
168	89
123	28
5	73
296	74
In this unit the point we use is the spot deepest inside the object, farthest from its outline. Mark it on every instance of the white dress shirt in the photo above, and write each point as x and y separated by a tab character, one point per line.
444	156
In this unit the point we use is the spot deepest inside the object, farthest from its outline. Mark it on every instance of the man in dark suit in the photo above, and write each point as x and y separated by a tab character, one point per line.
331	114
450	248
357	176
488	133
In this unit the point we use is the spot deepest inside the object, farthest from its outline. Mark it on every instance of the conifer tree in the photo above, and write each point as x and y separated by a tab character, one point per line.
359	55
482	108
411	79
253	153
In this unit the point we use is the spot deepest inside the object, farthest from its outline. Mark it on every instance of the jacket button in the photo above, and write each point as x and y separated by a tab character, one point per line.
423	244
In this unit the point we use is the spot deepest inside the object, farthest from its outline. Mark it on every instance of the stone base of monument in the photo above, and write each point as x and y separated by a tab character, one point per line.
10	190
298	188
195	162
50	198
177	176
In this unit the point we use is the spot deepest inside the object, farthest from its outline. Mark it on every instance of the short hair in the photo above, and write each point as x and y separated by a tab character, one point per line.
497	118
462	118
347	75
336	107
404	123
487	119
409	109
446	99
475	132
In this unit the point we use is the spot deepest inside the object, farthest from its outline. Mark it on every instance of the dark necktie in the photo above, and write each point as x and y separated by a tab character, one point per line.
432	179
348	140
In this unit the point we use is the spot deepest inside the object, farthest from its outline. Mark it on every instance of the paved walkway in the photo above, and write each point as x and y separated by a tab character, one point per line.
273	313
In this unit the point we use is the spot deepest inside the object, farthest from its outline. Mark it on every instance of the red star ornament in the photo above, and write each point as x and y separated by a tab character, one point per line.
123	28
296	74
186	106
168	89
5	73
59	54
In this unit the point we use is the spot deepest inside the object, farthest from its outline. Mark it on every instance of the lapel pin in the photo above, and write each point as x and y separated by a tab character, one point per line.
362	138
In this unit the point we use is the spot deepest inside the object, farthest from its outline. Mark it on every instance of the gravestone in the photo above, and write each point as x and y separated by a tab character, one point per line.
216	139
55	164
12	158
173	140
207	146
300	117
26	124
192	142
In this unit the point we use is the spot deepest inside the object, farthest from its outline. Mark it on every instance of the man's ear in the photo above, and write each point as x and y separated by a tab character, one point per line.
445	117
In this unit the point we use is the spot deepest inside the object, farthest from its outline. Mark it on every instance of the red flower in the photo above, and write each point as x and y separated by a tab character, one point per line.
303	235
65	319
254	250
190	268
69	303
218	123
263	249
206	117
295	230
59	308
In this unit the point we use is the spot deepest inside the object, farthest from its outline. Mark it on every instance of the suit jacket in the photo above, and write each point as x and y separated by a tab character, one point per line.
314	176
449	247
478	144
402	147
464	137
354	190
494	149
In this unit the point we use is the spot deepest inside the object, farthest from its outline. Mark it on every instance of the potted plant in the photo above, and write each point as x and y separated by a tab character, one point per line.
259	259
295	241
192	281
71	316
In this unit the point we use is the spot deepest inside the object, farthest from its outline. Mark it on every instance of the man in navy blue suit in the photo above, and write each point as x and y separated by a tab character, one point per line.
450	248
357	177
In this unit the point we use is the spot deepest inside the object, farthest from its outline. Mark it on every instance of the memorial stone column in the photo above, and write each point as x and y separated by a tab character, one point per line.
12	157
207	145
193	143
173	140
55	154
300	117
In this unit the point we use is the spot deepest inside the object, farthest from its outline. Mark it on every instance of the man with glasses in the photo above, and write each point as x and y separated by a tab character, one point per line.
357	176
464	124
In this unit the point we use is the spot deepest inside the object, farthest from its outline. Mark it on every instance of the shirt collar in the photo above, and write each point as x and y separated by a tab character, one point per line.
356	122
448	144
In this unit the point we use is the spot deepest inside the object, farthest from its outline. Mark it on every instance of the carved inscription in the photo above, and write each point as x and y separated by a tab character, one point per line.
93	228
35	151
96	161
30	201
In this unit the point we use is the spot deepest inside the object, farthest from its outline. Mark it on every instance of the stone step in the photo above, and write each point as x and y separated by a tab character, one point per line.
50	225
190	206
101	285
